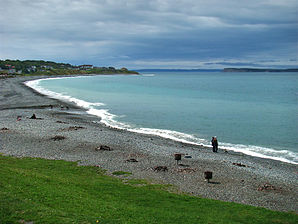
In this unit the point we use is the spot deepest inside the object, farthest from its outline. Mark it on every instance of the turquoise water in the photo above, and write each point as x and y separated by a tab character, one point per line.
255	113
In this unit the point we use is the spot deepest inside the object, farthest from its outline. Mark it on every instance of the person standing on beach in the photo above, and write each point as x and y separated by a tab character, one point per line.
214	144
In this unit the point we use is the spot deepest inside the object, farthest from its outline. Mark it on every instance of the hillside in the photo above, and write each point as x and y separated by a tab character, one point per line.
39	67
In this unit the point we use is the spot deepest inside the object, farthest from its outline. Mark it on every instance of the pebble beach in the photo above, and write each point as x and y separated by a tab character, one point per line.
63	131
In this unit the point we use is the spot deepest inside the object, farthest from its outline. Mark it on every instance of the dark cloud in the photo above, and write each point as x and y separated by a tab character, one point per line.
140	33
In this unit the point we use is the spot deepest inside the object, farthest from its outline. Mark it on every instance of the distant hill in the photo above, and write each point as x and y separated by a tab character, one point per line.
178	70
40	67
259	70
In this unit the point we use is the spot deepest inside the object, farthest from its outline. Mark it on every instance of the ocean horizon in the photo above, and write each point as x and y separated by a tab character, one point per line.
251	113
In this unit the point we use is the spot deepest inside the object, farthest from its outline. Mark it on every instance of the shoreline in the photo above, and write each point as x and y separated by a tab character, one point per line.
240	183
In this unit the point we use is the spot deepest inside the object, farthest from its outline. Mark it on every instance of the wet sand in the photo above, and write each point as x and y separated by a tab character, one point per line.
236	177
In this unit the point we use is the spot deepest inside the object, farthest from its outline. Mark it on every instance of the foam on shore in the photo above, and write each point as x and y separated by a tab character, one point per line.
34	84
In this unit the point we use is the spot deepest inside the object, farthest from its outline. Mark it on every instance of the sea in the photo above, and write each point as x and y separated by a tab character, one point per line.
252	113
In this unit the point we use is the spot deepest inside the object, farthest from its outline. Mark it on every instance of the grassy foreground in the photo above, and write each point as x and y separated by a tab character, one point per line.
47	191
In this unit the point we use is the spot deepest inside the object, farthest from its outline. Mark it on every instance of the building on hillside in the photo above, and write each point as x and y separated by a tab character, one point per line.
84	67
12	70
46	67
31	68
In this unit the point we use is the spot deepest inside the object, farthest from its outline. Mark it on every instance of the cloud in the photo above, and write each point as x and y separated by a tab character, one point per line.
104	32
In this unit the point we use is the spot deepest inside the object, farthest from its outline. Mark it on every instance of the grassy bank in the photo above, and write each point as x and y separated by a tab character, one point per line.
47	191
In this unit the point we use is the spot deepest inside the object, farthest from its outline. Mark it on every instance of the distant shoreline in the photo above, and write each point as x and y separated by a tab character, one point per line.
220	70
259	70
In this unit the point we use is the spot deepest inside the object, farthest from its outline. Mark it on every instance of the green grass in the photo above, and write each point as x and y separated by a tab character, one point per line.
118	173
47	191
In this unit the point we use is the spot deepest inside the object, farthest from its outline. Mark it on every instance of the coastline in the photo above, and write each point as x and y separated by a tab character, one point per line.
32	138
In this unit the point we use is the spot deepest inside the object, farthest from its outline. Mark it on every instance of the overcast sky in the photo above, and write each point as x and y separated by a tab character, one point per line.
152	33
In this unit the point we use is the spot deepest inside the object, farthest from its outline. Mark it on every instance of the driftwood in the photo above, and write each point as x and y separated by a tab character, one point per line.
267	187
186	170
132	160
72	128
239	164
103	148
35	118
62	122
58	138
160	168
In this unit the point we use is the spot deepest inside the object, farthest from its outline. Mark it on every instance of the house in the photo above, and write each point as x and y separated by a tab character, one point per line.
12	70
31	68
46	67
84	67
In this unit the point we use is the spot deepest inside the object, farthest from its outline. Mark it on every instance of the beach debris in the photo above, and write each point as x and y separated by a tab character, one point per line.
58	138
208	175
62	107
61	122
187	156
35	118
177	157
103	148
160	168
185	165
136	155
240	164
267	187
72	128
186	170
19	118
132	160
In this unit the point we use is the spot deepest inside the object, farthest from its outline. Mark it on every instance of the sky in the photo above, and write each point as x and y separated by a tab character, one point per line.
138	34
